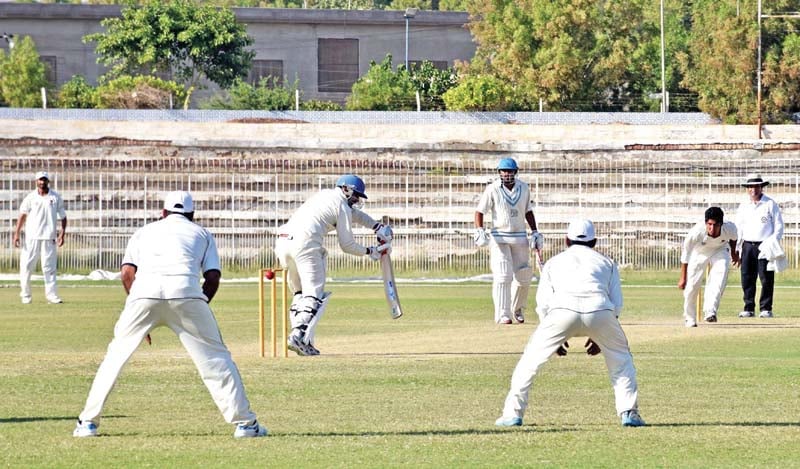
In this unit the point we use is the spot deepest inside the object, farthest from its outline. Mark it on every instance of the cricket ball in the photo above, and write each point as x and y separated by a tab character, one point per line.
269	274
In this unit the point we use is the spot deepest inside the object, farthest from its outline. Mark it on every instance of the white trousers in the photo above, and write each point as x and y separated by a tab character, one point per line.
31	251
307	265
505	261
193	322
557	327
719	265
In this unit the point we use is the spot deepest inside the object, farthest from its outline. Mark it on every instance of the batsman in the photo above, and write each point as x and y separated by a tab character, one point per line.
300	248
508	201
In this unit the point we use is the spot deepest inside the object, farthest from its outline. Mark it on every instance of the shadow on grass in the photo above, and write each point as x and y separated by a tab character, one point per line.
493	431
45	419
725	424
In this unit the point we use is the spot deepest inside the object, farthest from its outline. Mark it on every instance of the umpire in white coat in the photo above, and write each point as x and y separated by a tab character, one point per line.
161	273
300	247
579	294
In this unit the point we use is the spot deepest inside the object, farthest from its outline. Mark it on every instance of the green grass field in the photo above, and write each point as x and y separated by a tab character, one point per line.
421	391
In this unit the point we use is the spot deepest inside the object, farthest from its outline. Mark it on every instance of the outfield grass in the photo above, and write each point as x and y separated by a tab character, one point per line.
421	391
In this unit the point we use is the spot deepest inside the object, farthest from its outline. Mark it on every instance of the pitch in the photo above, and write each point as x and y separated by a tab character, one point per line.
420	391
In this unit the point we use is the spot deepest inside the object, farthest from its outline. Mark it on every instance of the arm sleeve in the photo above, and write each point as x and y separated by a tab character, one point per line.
485	202
777	221
688	245
363	219
61	212
543	293
344	233
615	289
211	256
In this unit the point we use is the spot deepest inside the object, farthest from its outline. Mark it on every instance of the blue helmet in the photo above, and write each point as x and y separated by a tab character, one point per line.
508	164
352	183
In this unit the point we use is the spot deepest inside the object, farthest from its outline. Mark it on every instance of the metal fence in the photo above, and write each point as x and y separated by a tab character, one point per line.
642	201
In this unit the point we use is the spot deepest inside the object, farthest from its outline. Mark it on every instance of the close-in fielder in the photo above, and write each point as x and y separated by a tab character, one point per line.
579	294
40	213
161	272
711	244
508	201
300	248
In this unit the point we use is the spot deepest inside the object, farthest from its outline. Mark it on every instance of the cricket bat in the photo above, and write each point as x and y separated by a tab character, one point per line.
390	287
539	260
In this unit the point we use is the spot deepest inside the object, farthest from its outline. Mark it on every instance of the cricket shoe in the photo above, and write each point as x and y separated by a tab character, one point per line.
85	429
508	422
254	430
519	316
710	318
631	418
26	300
296	345
747	314
689	323
54	300
765	314
504	321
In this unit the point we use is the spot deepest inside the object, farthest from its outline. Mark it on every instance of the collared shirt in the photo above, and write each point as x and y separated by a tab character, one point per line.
699	246
170	256
42	214
757	221
508	209
579	279
323	212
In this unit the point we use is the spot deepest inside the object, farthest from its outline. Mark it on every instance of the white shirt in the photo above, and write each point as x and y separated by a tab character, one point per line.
579	279
42	214
698	246
323	212
508	209
170	256
758	221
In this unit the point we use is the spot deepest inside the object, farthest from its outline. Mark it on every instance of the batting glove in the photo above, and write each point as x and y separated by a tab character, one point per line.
591	347
561	351
481	238
537	240
375	252
384	232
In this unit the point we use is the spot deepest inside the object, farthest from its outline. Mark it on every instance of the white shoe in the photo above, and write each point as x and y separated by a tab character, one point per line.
85	429
26	300
765	314
689	323
54	300
519	316
253	430
746	314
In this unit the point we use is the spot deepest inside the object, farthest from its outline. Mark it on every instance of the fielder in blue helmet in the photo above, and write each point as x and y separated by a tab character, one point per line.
508	164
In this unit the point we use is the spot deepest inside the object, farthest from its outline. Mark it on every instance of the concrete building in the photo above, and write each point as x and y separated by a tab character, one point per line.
325	50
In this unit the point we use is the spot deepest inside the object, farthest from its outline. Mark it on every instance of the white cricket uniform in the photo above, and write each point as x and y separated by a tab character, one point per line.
300	245
699	251
43	212
170	256
579	294
509	252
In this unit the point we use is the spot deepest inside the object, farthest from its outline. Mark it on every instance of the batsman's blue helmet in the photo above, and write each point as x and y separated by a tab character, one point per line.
508	164
354	183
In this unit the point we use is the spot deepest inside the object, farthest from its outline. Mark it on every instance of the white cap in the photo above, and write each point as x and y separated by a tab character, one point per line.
580	229
179	202
42	174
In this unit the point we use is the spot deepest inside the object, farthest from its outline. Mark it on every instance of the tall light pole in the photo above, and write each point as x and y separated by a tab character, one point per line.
410	13
758	75
663	74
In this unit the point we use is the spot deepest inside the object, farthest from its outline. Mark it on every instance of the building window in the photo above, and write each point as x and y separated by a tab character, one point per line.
337	64
50	68
437	64
265	69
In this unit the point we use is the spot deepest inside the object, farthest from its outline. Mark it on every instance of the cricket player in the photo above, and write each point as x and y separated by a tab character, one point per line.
300	247
579	294
711	244
40	214
161	273
508	201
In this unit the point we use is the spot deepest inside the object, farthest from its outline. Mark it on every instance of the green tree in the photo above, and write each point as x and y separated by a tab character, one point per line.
572	54
22	75
432	83
266	95
381	89
138	92
479	93
76	94
179	36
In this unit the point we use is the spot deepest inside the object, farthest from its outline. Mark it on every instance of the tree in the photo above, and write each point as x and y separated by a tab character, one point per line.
76	94
479	93
432	83
572	54
162	36
22	75
381	89
267	95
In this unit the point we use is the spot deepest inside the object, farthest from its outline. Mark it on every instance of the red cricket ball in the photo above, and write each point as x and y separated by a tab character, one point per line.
269	274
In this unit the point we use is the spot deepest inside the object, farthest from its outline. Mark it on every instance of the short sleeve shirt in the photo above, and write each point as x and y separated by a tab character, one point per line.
507	209
170	256
42	214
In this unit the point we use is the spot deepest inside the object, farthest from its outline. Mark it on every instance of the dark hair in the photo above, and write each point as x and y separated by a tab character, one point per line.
189	216
591	244
714	213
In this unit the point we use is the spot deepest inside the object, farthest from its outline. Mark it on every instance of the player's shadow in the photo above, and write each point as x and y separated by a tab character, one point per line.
725	424
493	431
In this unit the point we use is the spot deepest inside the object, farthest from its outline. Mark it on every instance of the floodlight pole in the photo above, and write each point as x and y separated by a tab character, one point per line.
758	74
663	74
410	13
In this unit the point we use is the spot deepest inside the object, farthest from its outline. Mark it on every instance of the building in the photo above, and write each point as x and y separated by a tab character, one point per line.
324	50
